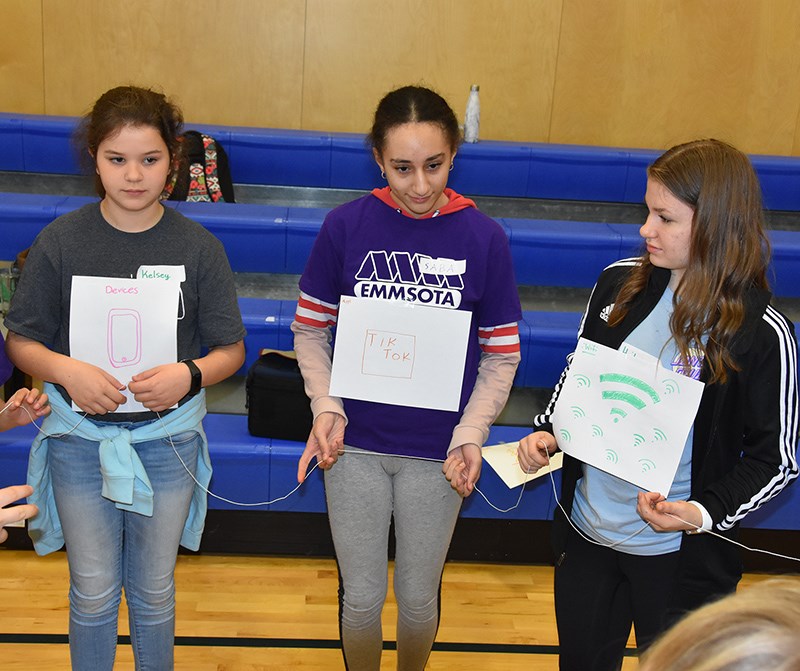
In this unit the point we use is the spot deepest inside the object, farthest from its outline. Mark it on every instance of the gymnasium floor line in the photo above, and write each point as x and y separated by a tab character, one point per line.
300	643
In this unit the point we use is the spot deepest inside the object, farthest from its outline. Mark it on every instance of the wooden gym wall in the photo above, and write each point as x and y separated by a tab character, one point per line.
631	73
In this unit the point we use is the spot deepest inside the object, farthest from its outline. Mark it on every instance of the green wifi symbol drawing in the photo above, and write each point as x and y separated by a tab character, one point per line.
647	465
577	411
633	397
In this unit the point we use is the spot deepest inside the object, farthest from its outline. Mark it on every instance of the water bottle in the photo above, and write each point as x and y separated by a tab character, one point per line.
472	119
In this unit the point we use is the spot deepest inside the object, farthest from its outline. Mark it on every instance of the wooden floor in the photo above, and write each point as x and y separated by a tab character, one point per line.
253	613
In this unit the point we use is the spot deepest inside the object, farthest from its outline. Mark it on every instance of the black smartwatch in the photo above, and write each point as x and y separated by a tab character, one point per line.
197	377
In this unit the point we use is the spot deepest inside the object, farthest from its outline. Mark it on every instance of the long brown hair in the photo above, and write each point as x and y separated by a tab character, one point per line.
728	254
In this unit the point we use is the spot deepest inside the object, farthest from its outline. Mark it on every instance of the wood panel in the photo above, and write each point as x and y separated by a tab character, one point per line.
357	50
796	143
224	61
651	74
21	67
620	72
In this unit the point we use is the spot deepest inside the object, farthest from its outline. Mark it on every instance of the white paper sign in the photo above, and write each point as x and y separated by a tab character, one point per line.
503	460
399	353
123	326
626	414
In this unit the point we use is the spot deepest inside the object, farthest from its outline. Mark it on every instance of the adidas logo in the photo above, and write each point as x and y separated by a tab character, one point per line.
605	312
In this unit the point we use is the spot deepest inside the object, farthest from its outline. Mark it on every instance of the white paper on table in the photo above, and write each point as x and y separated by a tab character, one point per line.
626	415
399	353
503	460
123	326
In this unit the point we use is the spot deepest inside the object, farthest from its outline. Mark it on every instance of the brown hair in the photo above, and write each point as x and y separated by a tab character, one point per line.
128	106
728	254
410	104
752	630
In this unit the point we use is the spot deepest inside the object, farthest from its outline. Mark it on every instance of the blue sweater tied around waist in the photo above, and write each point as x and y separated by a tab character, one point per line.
125	480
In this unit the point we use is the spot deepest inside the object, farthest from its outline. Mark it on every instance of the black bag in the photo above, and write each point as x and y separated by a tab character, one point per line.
277	405
200	172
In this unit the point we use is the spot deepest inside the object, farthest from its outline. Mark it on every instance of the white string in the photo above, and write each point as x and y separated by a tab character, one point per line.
577	530
439	461
38	428
741	545
222	498
313	468
403	456
636	533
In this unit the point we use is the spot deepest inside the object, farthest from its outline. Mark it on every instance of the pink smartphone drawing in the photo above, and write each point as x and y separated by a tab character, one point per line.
124	337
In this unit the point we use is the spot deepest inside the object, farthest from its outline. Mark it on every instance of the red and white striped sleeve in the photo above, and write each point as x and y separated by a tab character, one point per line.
314	312
500	356
503	339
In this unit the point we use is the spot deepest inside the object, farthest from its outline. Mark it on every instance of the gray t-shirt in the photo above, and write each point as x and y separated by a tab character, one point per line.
83	243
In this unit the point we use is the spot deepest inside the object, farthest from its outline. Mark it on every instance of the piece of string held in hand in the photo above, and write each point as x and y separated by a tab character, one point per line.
367	453
256	504
440	461
638	531
38	428
309	472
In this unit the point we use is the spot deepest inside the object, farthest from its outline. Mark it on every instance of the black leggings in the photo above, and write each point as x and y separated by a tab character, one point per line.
599	593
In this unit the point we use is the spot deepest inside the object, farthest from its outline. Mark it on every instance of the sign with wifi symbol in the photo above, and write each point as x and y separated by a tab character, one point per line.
635	394
625	414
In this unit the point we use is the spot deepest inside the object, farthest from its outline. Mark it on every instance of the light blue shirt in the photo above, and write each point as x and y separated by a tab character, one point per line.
605	506
125	480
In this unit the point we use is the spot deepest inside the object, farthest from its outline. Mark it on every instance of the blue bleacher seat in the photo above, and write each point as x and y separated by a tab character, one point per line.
491	169
560	253
22	216
11	150
241	463
636	177
43	143
272	239
248	469
280	157
352	164
48	146
574	172
254	236
267	322
302	227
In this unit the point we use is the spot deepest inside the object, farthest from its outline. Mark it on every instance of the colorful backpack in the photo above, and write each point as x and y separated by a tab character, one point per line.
201	172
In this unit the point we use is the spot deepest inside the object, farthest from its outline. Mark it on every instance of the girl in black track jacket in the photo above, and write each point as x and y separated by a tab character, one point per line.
702	283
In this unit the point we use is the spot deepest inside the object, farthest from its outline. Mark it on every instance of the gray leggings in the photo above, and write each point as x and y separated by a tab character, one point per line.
363	492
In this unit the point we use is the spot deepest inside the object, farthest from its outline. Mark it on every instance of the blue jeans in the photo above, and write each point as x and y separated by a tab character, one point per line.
108	549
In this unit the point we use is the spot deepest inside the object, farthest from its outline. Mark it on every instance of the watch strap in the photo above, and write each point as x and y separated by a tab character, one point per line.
197	377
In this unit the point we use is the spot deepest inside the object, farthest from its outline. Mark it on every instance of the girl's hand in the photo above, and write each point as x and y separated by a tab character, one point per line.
326	442
92	389
462	468
15	513
161	387
663	515
23	407
535	449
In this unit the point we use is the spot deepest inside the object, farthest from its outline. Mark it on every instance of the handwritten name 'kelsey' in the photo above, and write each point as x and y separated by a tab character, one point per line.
153	275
